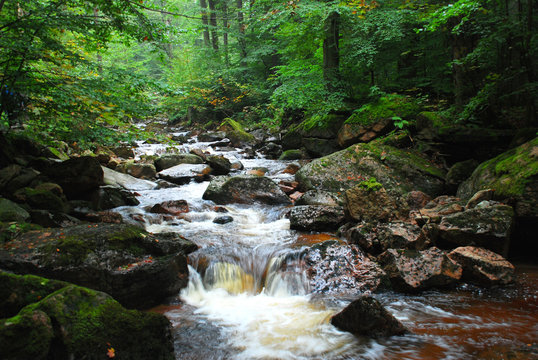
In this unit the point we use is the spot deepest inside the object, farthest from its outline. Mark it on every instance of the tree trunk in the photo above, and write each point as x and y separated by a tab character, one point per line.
331	55
225	33
203	6
213	23
241	25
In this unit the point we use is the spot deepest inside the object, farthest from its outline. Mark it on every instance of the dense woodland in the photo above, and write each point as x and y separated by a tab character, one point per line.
71	70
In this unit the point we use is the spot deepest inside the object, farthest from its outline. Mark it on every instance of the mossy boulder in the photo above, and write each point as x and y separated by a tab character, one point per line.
236	133
387	107
76	322
41	199
10	211
514	176
76	176
397	170
245	189
137	268
292	154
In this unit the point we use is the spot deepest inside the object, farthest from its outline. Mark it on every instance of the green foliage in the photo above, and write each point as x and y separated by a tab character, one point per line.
370	185
391	106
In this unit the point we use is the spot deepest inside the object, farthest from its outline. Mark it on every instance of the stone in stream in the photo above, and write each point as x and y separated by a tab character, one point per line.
412	270
366	316
171	207
183	173
137	268
109	197
223	219
44	318
126	181
316	217
482	266
219	164
245	189
334	268
169	160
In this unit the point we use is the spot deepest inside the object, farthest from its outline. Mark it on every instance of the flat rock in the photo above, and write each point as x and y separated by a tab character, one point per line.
184	173
483	266
126	181
245	189
316	217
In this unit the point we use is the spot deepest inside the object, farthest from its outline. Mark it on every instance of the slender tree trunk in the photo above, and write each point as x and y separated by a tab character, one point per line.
331	54
213	23
99	56
225	33
240	23
205	21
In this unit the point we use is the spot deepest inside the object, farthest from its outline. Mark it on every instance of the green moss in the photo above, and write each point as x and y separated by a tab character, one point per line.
371	184
10	230
67	250
128	238
41	199
513	169
321	122
386	107
235	132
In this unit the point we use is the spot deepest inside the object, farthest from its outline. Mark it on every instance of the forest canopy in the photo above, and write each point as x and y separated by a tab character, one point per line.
77	68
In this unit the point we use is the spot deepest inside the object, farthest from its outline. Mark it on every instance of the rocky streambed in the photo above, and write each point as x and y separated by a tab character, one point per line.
358	254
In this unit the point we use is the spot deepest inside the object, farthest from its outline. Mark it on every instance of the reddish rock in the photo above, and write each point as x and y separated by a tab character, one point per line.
354	133
291	169
368	204
436	209
417	199
412	270
172	207
483	266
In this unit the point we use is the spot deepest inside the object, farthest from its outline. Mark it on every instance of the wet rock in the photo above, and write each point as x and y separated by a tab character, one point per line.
417	199
288	187
76	176
14	177
271	150
488	227
219	164
200	153
171	207
374	204
352	133
513	175
109	197
126	181
319	197
316	217
245	189
376	238
317	147
342	269
483	267
109	217
236	133
138	170
459	172
223	219
397	170
137	268
81	323
412	270
40	199
52	219
292	154
123	151
170	160
211	136
10	211
184	173
237	165
367	317
436	209
291	169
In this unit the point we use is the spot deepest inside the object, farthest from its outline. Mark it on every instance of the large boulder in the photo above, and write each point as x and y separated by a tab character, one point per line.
316	217
367	317
9	211
412	270
351	133
397	170
139	170
137	268
488	226
41	199
375	238
245	189
184	173
126	181
170	160
513	175
370	201
14	177
483	266
219	164
76	176
333	268
109	197
236	133
59	320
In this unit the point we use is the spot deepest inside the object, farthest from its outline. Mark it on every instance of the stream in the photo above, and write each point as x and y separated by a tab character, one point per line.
248	297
